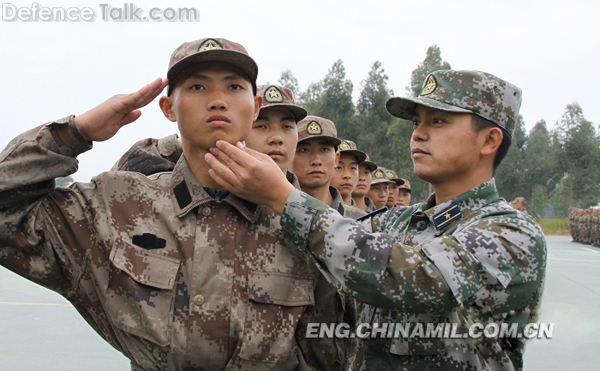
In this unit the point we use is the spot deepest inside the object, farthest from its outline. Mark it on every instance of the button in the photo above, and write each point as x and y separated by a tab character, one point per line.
206	211
421	225
199	300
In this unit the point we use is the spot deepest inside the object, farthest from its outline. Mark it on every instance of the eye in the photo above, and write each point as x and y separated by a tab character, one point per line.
415	123
354	168
289	127
235	87
302	150
338	168
259	126
197	87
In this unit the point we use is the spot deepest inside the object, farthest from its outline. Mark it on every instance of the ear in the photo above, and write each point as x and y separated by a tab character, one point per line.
166	105
257	103
337	158
491	141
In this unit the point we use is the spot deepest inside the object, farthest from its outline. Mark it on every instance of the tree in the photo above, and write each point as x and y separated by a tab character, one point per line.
331	98
432	62
289	81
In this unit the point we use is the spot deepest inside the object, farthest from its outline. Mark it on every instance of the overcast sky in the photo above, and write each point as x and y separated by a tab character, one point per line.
550	49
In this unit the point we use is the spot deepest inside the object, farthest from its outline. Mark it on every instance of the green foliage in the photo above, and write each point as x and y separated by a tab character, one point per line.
555	227
289	81
432	62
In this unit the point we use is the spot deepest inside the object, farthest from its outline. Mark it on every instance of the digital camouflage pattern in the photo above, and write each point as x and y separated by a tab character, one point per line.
486	265
167	275
475	92
585	225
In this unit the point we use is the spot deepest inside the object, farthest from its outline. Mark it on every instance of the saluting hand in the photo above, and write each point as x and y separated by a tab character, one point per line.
250	175
103	122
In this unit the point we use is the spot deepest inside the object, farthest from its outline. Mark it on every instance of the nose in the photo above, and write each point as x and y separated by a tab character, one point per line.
275	138
419	133
217	101
315	160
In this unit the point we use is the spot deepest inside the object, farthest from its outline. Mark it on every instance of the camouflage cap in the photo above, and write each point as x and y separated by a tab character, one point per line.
369	164
464	91
348	146
279	96
380	176
405	185
393	176
210	50
317	127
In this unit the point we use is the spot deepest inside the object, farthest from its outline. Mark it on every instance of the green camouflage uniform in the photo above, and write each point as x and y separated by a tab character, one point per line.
470	260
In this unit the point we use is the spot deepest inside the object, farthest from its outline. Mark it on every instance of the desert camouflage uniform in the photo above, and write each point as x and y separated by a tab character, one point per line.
483	264
170	277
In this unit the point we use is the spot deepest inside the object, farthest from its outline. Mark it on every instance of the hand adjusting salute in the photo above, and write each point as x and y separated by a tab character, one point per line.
102	122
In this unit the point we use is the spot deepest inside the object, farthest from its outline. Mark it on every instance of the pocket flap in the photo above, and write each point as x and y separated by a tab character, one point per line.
144	267
281	289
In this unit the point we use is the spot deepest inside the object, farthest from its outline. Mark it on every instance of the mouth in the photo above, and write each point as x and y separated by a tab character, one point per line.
275	154
316	172
418	152
346	185
219	120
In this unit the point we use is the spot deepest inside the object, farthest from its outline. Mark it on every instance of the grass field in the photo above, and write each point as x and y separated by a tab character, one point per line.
555	227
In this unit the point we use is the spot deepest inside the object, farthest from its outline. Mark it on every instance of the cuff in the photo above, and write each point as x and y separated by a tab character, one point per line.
297	220
67	137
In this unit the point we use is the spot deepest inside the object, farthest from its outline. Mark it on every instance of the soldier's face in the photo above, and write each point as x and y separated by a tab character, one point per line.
314	162
210	102
345	175
274	133
379	194
392	195
364	181
403	198
445	147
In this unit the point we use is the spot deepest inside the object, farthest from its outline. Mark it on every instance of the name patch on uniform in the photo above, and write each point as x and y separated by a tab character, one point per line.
149	241
447	216
273	95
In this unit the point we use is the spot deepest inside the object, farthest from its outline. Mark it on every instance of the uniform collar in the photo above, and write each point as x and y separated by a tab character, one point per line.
188	194
444	215
338	202
293	179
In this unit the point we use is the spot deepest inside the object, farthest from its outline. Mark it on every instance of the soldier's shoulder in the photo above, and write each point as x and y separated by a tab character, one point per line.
352	211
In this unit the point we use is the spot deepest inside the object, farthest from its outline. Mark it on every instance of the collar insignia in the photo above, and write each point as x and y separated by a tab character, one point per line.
314	128
273	95
447	216
429	86
209	44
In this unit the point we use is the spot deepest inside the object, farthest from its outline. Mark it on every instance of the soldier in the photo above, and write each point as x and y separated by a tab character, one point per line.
315	161
404	193
379	190
464	256
171	270
365	177
393	188
345	177
572	221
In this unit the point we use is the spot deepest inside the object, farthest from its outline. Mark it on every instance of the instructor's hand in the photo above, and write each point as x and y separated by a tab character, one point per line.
103	122
250	175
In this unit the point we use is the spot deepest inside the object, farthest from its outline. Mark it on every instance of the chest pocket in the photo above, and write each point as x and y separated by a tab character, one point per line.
276	303
140	295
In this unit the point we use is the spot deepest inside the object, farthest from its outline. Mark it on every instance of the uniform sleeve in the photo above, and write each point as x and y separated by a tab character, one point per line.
28	221
150	156
432	277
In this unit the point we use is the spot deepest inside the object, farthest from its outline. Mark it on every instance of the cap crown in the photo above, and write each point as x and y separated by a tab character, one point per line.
315	127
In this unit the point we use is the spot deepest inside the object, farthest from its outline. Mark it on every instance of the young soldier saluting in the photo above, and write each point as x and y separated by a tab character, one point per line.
463	257
171	270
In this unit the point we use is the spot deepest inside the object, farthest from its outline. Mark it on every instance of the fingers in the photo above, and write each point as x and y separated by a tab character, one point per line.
143	96
221	173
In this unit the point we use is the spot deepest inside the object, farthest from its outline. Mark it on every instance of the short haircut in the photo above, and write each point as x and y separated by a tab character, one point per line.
479	123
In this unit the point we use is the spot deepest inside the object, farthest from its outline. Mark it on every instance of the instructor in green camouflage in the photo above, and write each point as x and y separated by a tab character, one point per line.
463	257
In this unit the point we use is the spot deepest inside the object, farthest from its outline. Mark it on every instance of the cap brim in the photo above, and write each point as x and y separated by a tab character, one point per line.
404	108
370	164
333	140
237	59
379	181
298	112
360	155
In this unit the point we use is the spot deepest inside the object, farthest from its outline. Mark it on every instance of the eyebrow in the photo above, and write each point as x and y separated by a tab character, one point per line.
199	76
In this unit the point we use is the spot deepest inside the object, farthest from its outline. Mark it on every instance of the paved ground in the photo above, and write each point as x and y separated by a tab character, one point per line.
40	330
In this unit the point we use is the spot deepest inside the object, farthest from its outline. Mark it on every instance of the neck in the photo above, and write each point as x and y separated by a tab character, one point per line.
199	166
321	193
360	202
449	190
347	199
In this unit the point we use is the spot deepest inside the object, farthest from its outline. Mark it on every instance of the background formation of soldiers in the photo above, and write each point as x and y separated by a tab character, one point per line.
585	225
